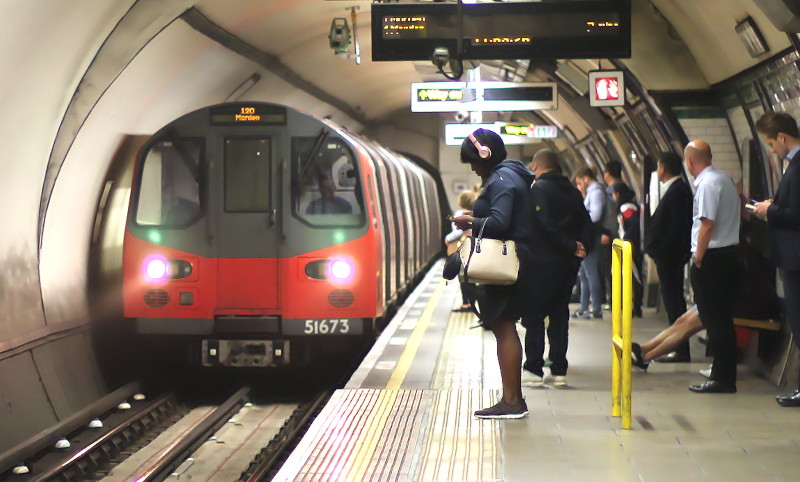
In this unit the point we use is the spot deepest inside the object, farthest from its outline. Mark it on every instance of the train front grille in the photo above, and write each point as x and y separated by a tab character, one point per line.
341	298
156	298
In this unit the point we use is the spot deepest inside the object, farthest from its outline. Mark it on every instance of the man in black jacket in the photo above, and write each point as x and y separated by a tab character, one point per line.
668	242
779	130
561	227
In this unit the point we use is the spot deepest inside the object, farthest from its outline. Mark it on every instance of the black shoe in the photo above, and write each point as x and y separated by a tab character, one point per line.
503	410
638	359
462	309
713	386
792	400
674	357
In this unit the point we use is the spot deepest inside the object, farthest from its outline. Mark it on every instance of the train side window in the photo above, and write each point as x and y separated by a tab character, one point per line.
169	186
327	191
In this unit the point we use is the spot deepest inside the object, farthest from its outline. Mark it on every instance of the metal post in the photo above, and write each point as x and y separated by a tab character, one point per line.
621	330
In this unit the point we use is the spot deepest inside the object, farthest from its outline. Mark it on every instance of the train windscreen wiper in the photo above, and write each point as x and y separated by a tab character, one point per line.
185	156
323	134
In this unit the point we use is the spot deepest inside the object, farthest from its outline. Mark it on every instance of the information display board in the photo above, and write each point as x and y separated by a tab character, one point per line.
519	30
512	134
483	96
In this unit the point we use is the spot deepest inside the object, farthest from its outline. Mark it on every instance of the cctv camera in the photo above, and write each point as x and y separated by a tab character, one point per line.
441	56
461	116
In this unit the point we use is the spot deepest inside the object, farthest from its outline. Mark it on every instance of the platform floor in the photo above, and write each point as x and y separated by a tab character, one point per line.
407	413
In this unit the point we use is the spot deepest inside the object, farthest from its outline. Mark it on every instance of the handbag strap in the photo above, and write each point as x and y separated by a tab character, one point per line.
472	248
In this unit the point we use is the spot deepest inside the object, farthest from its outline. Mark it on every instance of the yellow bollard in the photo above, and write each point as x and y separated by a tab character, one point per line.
621	330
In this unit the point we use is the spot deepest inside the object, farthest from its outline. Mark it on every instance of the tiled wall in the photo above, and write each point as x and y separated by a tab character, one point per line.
715	131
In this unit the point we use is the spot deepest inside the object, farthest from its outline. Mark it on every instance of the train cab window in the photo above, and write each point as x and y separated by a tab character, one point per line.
247	175
169	188
327	190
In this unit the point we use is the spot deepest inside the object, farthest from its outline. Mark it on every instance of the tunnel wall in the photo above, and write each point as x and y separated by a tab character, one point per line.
48	367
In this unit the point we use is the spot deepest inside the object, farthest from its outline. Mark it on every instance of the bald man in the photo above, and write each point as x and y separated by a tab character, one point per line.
714	272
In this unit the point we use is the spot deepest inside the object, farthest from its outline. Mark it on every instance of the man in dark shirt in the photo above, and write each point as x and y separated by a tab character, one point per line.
668	242
780	132
329	203
561	226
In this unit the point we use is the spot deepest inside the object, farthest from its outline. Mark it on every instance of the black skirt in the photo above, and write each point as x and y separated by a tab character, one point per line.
512	302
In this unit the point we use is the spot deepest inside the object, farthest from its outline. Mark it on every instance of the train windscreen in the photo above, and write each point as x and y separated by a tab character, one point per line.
169	187
325	179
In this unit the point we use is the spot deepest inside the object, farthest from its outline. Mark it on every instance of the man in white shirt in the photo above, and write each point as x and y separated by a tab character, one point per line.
715	269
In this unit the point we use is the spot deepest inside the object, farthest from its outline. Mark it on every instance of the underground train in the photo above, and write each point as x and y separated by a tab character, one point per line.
260	235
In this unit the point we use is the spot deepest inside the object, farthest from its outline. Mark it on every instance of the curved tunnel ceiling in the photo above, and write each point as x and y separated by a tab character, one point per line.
677	45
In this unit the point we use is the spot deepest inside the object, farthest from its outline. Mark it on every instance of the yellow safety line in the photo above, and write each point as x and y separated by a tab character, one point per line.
414	341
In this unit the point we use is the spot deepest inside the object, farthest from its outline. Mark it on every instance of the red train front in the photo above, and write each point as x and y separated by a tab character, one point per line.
262	236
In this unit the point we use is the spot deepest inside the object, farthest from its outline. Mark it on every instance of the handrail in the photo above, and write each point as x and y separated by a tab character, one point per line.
621	330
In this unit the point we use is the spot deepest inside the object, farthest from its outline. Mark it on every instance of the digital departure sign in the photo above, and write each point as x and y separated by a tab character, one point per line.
483	96
248	115
518	30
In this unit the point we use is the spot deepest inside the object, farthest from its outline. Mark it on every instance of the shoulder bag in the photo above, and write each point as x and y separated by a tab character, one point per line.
489	261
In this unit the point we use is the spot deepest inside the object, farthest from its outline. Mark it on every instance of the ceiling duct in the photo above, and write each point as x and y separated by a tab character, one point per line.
784	14
575	77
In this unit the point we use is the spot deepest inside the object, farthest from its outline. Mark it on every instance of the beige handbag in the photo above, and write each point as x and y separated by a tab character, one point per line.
489	261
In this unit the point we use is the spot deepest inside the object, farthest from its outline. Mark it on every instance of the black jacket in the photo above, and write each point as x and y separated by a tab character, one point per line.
784	219
559	218
504	204
669	232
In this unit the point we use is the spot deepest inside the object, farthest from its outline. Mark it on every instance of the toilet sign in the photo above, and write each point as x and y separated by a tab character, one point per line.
606	88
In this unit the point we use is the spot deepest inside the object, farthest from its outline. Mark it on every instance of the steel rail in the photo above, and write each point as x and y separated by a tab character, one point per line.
174	454
106	437
48	437
267	459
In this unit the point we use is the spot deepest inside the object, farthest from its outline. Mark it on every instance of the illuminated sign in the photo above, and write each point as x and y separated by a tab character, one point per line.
483	96
502	30
606	88
512	134
242	114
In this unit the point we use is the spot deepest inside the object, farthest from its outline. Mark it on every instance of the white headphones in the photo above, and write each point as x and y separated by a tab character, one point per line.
483	151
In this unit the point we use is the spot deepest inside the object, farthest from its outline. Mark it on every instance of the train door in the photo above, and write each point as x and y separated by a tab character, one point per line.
247	233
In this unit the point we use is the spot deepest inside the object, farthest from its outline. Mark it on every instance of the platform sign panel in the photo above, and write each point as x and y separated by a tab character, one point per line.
483	96
512	134
606	88
567	29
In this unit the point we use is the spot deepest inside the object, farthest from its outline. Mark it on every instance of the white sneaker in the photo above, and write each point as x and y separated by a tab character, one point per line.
559	380
531	380
706	372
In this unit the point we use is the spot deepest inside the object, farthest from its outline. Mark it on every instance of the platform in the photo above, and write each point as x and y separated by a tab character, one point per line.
407	413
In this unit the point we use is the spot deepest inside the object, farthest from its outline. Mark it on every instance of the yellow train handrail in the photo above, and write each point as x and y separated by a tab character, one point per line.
621	330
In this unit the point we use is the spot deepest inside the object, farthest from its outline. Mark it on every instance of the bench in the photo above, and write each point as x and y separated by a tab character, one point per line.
768	325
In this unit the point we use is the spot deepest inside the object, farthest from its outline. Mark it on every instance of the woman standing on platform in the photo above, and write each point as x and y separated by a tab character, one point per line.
504	211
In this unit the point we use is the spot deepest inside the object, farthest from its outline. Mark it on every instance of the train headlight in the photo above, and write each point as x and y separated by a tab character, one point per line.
155	269
340	270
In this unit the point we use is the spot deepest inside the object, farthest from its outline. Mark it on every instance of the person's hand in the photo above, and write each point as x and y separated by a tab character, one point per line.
463	222
605	239
761	208
580	250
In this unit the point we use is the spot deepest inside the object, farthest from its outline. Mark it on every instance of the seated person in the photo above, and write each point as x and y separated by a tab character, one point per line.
759	301
668	340
329	202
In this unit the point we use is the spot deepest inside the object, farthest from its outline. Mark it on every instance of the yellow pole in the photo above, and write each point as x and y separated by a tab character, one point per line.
616	311
627	331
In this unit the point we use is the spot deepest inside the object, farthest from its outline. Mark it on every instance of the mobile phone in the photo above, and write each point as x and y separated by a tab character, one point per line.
749	206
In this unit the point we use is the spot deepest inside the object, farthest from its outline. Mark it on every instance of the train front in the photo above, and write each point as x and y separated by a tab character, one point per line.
248	242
